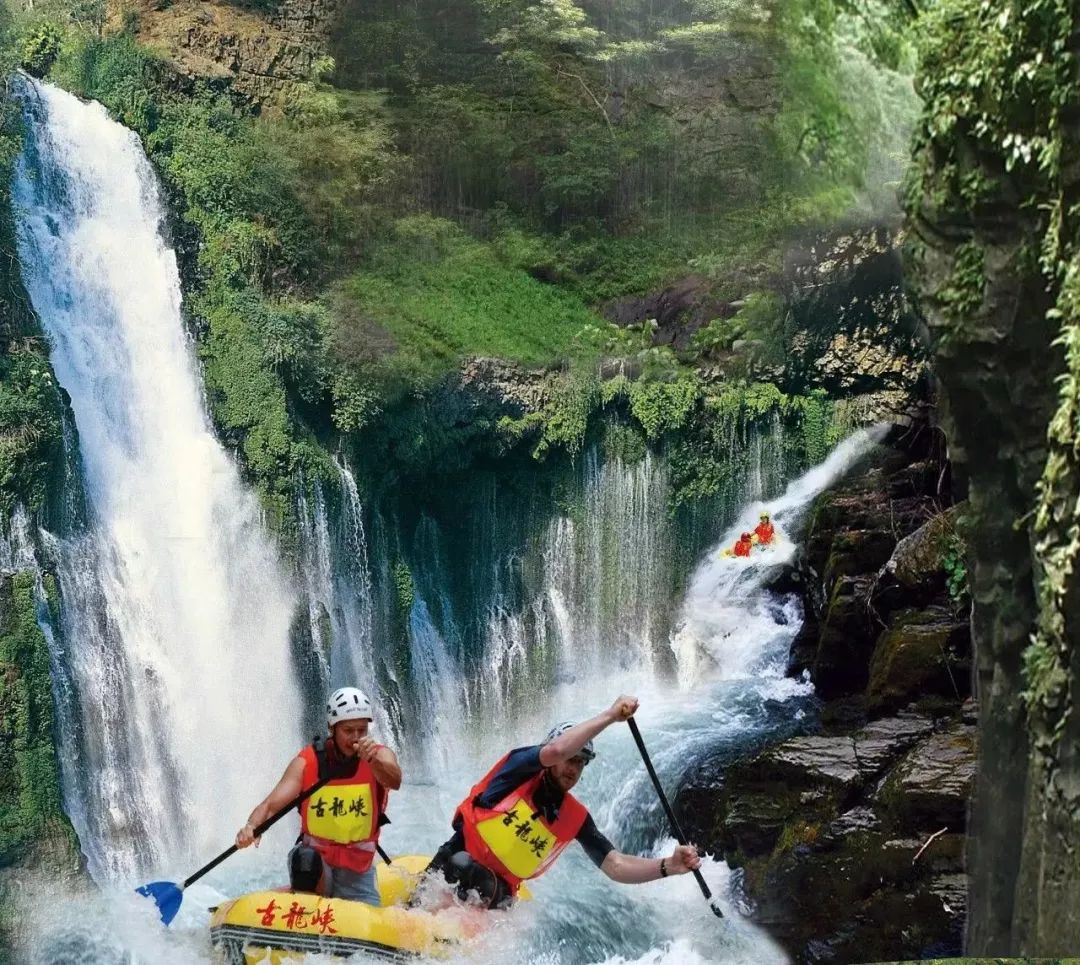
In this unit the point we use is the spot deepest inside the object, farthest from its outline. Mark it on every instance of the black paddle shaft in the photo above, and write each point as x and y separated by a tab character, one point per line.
266	825
680	837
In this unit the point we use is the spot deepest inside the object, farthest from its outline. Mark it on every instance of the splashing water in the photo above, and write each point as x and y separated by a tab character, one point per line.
728	610
176	614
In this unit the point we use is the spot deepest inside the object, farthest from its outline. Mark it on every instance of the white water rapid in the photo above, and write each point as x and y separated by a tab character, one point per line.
728	609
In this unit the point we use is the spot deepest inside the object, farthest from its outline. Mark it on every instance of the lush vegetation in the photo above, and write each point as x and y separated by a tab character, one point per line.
998	81
31	431
478	188
29	787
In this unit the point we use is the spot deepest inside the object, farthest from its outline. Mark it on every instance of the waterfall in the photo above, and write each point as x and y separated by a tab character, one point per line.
580	594
175	609
728	609
534	598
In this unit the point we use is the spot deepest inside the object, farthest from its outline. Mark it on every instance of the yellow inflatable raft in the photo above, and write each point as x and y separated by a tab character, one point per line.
279	927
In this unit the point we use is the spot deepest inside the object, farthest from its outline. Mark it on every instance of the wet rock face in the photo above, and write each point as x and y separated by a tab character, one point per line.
829	834
258	55
855	330
849	840
509	388
931	785
921	653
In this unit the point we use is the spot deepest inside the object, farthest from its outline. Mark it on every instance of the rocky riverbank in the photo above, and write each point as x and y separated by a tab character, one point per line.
849	840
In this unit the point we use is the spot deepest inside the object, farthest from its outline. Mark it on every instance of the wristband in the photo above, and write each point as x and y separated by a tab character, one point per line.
663	867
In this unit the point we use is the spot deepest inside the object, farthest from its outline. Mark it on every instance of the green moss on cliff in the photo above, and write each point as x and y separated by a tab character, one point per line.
994	192
30	804
31	431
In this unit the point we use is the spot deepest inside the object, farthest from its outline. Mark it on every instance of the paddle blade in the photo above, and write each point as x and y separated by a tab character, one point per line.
167	896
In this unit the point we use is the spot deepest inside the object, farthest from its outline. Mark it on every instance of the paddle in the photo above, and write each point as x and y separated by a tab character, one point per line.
168	895
713	903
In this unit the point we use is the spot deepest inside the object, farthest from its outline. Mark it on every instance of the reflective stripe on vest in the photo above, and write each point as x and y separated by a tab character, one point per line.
512	838
341	819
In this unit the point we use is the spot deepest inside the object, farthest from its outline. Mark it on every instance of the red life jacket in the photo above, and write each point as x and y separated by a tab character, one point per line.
743	547
512	838
341	819
765	533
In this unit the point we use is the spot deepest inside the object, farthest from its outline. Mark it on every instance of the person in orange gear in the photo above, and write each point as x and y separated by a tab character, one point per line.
745	544
338	842
764	531
521	816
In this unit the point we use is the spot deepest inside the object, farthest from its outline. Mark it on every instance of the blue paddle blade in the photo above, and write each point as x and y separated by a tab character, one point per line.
167	896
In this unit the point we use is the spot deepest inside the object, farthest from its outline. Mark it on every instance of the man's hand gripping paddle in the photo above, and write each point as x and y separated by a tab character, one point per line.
713	903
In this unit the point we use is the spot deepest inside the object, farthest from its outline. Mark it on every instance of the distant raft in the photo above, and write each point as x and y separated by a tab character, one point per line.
278	927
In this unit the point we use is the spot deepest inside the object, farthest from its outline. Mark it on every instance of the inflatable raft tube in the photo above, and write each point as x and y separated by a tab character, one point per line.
281	927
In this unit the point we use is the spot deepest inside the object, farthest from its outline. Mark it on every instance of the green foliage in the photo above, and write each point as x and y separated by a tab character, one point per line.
41	49
954	563
661	407
31	428
623	442
998	83
91	14
962	295
817	426
29	779
404	588
116	72
760	319
705	455
440	295
563	421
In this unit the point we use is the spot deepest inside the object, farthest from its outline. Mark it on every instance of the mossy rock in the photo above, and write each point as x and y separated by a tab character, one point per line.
922	653
917	563
850	898
755	820
931	786
841	665
858	551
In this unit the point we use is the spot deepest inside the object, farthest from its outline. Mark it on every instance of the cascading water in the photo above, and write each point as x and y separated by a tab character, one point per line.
176	615
175	612
728	609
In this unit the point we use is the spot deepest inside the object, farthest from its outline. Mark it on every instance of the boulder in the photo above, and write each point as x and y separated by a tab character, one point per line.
914	574
922	653
845	643
931	786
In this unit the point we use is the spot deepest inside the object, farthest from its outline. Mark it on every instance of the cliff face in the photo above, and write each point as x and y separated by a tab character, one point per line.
257	55
850	838
992	207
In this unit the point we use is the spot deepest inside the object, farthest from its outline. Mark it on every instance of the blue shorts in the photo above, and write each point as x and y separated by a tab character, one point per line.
351	885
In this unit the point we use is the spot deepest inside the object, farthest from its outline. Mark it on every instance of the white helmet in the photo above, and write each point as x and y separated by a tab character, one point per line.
587	753
347	703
